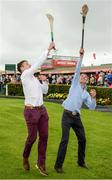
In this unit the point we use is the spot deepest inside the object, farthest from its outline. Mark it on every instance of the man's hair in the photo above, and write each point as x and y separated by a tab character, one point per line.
19	65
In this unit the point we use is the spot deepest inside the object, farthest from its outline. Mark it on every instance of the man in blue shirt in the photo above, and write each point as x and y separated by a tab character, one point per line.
71	116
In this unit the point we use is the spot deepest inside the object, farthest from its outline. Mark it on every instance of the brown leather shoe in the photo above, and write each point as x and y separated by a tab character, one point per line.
26	164
41	170
59	170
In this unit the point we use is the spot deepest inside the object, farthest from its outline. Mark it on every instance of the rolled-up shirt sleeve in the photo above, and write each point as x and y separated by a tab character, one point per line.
90	102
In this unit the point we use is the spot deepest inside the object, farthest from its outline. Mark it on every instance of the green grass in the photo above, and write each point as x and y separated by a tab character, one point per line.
13	133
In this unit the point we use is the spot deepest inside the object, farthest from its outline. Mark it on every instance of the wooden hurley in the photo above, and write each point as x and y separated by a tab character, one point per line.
84	12
51	19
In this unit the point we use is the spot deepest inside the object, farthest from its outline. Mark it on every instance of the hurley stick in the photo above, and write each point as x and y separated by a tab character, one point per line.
51	19
84	12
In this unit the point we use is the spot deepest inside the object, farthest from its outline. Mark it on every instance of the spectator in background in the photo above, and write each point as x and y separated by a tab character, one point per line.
7	79
60	80
103	75
18	78
68	80
64	80
53	79
109	79
50	78
96	77
100	81
92	80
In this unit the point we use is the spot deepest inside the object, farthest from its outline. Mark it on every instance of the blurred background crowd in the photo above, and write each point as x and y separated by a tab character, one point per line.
97	79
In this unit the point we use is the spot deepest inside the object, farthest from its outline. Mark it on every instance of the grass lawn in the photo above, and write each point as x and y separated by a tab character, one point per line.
13	133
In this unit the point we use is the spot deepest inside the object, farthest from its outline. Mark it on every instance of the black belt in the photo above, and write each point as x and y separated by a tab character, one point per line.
74	113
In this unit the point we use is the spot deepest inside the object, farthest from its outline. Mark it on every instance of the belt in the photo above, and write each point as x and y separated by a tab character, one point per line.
34	107
74	113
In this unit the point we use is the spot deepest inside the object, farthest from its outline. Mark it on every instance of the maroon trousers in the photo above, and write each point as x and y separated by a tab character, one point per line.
37	121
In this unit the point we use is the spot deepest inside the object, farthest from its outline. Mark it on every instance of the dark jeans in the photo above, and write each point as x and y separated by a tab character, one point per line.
37	121
68	121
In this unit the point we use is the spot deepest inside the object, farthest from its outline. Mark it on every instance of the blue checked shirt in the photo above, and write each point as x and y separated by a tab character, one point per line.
78	94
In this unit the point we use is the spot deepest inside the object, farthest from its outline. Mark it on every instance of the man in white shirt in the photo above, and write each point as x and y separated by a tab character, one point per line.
35	113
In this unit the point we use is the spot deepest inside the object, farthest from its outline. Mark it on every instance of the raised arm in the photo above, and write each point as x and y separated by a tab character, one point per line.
40	60
38	63
78	68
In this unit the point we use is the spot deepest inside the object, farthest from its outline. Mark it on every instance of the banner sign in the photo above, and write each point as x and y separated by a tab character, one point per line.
64	63
10	67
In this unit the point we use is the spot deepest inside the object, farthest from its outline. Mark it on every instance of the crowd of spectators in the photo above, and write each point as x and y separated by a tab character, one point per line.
96	79
4	79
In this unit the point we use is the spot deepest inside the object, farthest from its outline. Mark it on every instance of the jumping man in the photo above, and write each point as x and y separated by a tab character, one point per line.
71	116
35	113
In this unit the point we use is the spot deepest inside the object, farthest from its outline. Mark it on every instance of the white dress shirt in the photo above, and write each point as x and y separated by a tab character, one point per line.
32	88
